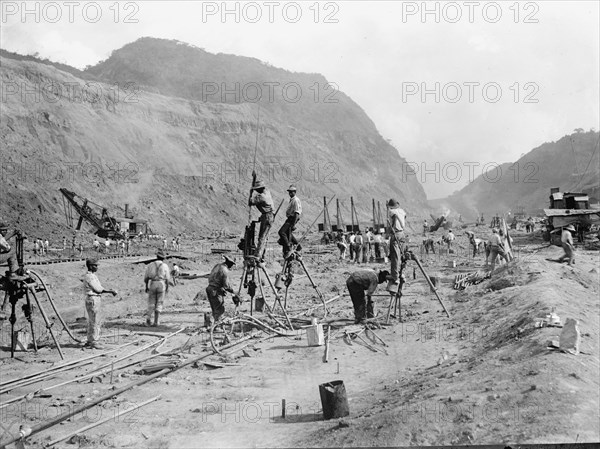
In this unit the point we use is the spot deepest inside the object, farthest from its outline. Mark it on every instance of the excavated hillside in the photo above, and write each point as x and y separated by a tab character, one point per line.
572	163
180	162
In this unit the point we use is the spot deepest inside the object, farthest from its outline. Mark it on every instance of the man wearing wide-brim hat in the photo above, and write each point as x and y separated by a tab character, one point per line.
218	286
157	280
396	223
261	198
566	239
292	213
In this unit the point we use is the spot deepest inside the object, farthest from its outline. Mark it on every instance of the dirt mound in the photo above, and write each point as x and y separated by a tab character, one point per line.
504	385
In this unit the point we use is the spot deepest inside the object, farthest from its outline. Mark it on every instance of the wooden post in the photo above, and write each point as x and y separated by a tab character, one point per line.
352	212
374	220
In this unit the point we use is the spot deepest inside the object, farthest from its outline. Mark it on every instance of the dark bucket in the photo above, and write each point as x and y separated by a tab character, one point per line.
333	399
259	303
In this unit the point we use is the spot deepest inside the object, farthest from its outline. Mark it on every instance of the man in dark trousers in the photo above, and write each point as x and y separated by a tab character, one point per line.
261	198
293	212
357	283
396	223
218	286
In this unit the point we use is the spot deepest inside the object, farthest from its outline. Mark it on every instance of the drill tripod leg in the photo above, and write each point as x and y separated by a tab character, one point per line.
430	284
29	317
262	292
277	299
391	304
314	286
54	308
48	324
5	301
13	320
245	270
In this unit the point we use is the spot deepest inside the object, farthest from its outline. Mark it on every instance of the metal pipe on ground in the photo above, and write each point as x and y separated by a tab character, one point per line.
102	421
62	365
43	426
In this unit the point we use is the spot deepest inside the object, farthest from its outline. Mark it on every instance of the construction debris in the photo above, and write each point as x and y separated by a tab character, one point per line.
464	280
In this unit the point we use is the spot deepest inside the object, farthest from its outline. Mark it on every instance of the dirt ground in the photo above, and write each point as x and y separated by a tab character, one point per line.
484	376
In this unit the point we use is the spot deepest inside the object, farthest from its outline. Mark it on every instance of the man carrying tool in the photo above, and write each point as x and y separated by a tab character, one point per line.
261	198
293	212
93	291
218	285
396	222
157	280
357	283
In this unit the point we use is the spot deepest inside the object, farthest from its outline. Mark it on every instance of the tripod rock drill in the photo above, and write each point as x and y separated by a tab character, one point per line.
261	198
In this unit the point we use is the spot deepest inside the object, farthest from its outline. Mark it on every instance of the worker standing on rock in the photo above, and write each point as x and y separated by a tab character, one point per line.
293	212
261	198
396	223
157	280
566	239
218	286
93	291
359	282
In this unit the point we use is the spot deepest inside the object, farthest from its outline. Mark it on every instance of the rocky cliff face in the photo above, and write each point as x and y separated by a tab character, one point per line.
572	163
179	160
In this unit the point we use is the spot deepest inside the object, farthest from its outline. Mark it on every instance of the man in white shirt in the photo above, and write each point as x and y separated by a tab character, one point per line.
92	291
293	213
351	240
358	246
157	280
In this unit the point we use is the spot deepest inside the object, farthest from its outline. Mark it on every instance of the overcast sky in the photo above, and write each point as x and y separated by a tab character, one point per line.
511	75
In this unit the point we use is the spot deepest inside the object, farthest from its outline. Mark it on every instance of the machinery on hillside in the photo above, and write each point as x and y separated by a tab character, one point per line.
97	216
569	208
438	223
